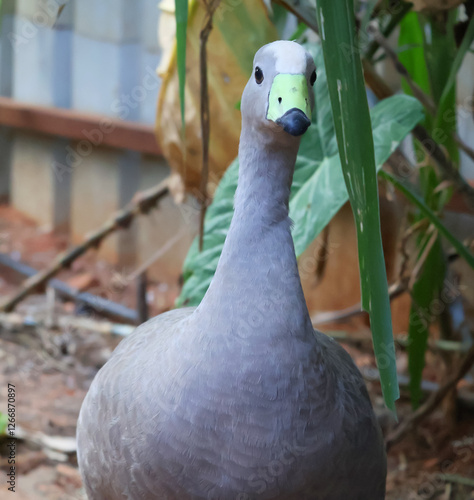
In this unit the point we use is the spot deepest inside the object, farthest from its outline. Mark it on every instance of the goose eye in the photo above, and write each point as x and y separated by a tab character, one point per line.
313	78
258	75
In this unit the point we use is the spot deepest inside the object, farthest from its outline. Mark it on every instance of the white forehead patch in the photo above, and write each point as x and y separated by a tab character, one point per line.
289	57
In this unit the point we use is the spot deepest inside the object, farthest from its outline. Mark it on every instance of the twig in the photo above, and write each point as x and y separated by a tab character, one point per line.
425	99
433	345
403	248
142	203
211	6
464	396
404	8
18	322
455	478
333	316
467	149
403	285
432	402
305	15
157	255
100	305
60	444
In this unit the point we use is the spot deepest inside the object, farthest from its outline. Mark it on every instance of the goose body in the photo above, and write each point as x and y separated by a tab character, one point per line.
239	398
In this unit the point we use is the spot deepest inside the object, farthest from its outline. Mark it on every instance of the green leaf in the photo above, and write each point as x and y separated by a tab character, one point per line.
425	289
3	416
324	193
300	30
446	116
181	14
356	150
463	49
413	59
440	54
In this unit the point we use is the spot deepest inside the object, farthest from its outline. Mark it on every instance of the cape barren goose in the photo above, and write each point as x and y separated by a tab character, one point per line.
239	398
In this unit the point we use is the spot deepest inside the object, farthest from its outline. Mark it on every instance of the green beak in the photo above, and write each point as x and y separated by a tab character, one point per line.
288	103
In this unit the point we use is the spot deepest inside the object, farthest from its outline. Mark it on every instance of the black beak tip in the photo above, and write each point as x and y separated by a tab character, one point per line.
294	122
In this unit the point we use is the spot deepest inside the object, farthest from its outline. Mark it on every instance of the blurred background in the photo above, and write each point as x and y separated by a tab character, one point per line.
101	200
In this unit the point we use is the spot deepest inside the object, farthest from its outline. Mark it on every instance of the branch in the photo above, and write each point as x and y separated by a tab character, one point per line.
333	316
402	342
17	322
467	149
403	8
304	14
211	6
98	304
432	402
142	203
425	99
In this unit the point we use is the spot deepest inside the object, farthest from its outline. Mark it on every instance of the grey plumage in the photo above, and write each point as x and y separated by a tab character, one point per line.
240	398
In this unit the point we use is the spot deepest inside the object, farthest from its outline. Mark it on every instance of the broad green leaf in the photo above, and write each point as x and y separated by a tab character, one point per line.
324	193
181	14
356	150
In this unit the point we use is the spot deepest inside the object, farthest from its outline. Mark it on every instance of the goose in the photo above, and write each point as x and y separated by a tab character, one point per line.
239	398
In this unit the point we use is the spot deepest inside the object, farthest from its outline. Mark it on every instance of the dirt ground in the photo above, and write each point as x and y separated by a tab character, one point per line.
52	369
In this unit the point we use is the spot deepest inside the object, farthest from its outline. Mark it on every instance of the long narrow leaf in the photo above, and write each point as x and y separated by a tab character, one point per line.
447	101
443	230
411	36
440	53
463	48
356	149
181	14
425	289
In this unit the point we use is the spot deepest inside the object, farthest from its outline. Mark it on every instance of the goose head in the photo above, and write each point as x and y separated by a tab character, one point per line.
278	97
